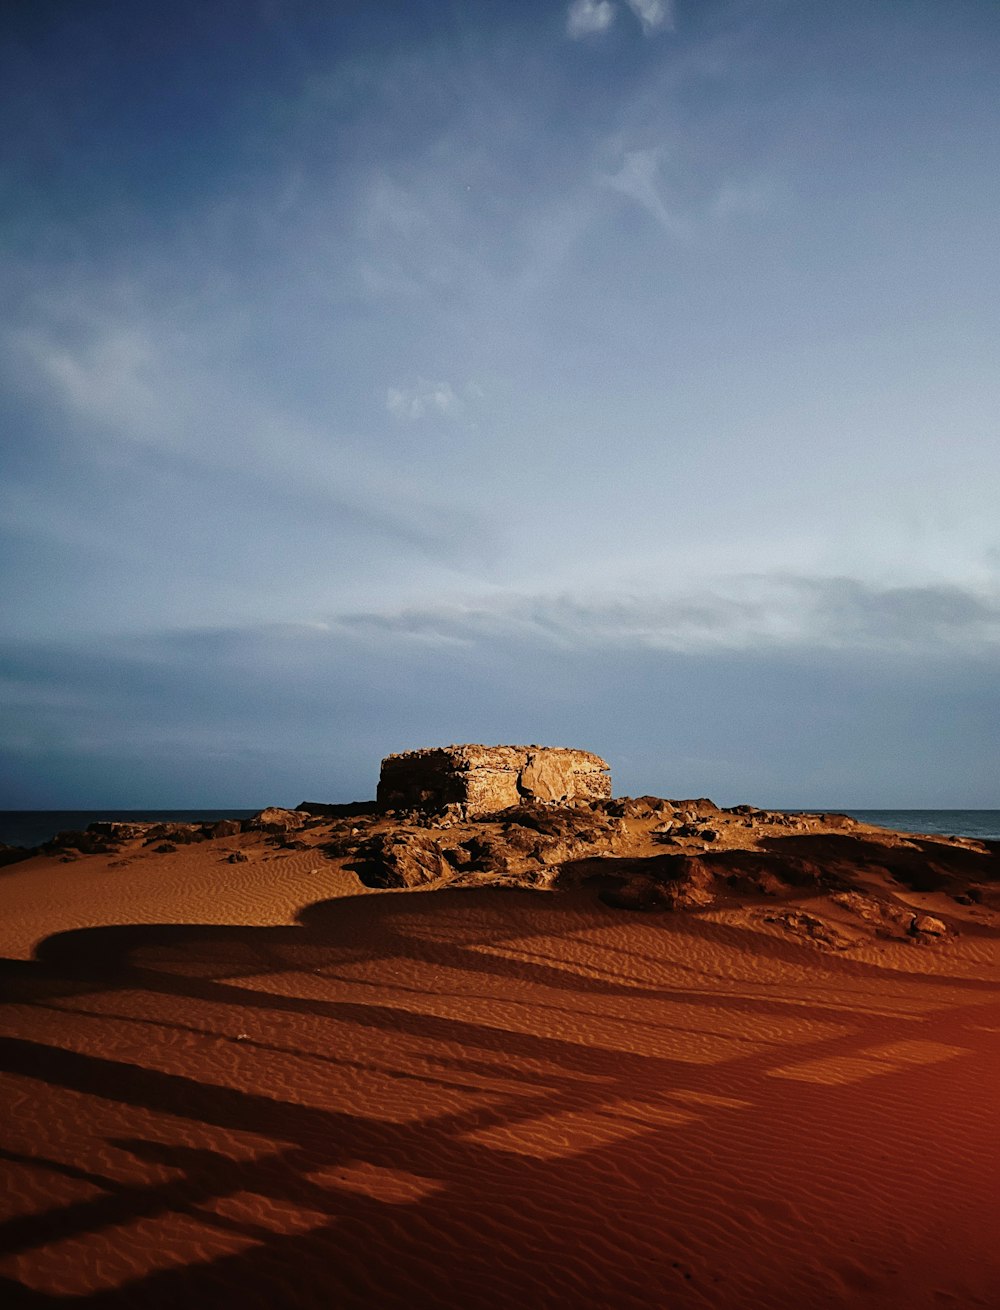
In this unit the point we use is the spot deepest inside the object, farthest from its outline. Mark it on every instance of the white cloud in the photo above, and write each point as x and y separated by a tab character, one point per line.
584	17
653	14
110	377
638	178
751	612
135	393
423	399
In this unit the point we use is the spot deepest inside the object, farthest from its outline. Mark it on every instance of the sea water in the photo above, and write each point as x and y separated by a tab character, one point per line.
984	824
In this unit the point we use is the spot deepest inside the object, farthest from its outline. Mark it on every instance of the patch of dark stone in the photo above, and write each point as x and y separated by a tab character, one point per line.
398	859
354	809
81	843
527	841
13	854
107	837
799	923
177	836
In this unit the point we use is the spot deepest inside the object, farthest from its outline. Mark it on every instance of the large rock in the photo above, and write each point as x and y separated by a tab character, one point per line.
276	820
486	779
400	860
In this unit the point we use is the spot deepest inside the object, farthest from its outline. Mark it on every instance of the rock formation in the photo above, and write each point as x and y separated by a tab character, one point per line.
473	816
487	779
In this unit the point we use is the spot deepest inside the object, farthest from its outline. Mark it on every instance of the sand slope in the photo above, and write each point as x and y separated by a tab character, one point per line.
236	1084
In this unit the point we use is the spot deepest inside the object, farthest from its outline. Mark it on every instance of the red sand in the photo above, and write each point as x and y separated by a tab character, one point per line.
247	1093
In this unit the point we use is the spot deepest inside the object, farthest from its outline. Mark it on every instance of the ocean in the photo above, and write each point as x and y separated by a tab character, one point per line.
32	827
984	824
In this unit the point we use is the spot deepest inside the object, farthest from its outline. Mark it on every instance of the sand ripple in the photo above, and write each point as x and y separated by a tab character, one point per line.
485	1099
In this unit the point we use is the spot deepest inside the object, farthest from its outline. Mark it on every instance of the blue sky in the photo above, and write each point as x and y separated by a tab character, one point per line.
619	375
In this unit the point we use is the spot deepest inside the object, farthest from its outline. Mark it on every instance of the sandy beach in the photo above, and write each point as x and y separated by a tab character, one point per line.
260	1082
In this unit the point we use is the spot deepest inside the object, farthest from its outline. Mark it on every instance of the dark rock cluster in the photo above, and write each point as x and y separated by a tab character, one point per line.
641	854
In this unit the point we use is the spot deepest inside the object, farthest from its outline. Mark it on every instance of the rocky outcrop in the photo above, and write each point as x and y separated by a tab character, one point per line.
276	820
486	779
526	842
391	859
542	818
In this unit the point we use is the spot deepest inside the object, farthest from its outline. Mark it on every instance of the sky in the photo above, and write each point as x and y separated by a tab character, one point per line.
618	374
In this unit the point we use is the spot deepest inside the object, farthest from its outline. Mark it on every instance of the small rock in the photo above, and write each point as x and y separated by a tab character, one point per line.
226	828
927	925
237	857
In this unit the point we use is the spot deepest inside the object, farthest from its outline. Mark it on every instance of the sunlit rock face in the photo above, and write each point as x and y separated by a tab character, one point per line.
485	779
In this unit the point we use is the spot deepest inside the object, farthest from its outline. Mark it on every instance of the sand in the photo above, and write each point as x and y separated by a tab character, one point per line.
262	1084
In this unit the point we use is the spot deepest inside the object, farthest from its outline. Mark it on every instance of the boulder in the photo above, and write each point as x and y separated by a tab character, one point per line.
926	925
87	843
275	819
400	859
226	828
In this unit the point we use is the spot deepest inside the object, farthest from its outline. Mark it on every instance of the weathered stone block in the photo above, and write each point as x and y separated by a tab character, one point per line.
485	779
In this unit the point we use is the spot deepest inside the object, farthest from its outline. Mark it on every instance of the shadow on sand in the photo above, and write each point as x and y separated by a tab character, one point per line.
462	1099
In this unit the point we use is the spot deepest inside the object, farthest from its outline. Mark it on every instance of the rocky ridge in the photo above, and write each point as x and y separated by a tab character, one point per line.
824	878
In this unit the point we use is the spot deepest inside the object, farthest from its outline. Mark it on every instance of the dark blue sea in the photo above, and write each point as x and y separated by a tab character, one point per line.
984	824
32	827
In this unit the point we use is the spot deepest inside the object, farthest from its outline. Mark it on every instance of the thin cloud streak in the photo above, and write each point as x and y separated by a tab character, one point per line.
743	614
121	388
163	719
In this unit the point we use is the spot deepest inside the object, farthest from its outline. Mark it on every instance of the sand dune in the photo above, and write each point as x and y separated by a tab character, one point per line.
258	1083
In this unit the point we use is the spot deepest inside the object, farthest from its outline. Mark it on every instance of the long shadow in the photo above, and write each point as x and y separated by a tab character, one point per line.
493	1205
348	929
925	866
316	1138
